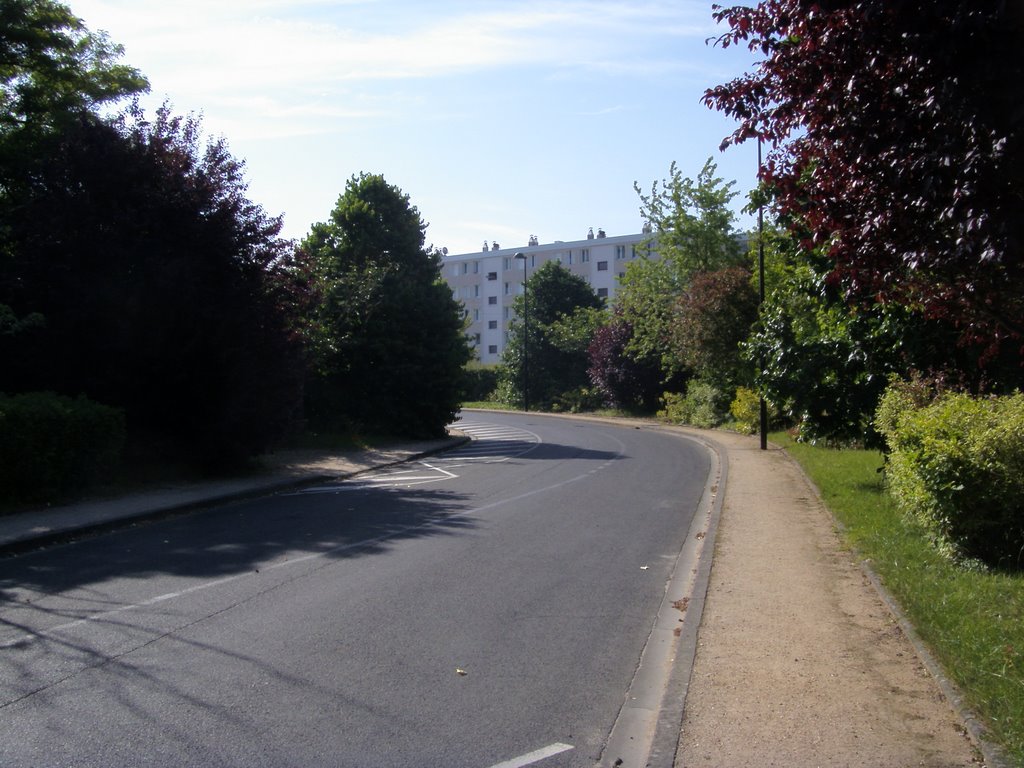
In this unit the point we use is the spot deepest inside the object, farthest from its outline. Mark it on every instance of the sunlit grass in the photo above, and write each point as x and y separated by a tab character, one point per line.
973	621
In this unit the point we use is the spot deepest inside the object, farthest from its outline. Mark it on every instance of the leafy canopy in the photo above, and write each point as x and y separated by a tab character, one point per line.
693	230
388	336
53	67
896	135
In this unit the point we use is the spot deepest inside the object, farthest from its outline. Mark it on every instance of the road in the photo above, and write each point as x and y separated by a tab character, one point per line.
484	607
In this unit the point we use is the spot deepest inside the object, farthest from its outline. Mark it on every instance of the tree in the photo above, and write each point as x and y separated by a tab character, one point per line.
898	148
693	226
622	381
390	344
692	231
136	243
52	70
711	319
824	362
563	315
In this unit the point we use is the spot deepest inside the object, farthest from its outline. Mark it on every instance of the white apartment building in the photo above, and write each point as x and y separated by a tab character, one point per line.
486	282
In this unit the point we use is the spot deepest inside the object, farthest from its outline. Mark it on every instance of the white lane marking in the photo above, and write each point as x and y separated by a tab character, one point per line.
534	757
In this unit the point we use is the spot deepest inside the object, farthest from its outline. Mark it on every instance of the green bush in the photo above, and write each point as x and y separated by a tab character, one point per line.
579	400
699	407
956	466
479	382
746	411
51	445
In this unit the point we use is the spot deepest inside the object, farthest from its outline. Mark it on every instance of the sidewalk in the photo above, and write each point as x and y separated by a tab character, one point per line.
800	661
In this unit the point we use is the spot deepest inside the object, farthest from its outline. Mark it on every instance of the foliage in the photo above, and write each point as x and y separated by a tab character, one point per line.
711	318
973	620
620	380
701	406
389	346
693	230
52	70
561	313
135	241
957	467
51	445
479	381
746	411
823	361
898	149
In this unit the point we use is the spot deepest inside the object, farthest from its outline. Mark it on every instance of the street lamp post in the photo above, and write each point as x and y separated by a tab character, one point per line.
526	338
763	426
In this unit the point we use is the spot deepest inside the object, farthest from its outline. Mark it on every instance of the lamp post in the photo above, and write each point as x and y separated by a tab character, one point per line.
763	427
526	338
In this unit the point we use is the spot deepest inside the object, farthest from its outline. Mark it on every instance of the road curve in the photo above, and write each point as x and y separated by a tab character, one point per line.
485	607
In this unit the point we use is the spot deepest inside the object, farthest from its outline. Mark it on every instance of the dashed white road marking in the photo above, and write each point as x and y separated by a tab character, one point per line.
535	757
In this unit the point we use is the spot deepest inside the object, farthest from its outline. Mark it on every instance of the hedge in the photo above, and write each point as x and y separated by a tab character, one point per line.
956	466
52	445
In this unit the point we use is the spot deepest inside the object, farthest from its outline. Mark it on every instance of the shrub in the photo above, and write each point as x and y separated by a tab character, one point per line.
746	410
53	445
957	467
699	407
479	382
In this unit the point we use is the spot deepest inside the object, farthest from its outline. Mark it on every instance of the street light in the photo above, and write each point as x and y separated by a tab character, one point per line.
526	337
763	426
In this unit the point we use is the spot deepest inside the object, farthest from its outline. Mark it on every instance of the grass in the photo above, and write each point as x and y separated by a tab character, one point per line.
973	621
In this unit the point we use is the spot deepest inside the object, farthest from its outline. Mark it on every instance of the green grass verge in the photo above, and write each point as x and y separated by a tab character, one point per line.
972	621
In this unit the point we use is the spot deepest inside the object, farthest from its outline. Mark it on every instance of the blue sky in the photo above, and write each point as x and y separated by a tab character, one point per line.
500	119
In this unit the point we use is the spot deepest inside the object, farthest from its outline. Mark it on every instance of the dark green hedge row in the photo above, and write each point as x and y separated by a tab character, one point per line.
956	465
51	445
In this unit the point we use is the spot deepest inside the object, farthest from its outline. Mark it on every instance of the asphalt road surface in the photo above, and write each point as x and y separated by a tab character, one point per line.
486	607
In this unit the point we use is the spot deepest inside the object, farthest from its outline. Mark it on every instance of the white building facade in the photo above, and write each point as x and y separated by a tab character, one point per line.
487	282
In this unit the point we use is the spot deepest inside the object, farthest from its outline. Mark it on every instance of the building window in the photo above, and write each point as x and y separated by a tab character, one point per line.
492	349
602	266
476	338
476	267
492	275
476	315
492	325
602	293
492	299
584	256
508	289
506	264
569	256
632	251
620	252
507	312
476	291
621	275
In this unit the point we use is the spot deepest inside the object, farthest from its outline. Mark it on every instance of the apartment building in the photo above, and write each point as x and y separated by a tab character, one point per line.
487	281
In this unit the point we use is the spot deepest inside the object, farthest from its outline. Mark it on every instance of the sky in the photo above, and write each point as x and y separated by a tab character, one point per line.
500	119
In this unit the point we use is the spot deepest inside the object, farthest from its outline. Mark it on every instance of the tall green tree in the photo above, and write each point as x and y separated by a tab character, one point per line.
561	313
692	230
389	341
53	69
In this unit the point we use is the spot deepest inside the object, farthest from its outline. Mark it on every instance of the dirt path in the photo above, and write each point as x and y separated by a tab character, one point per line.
799	661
